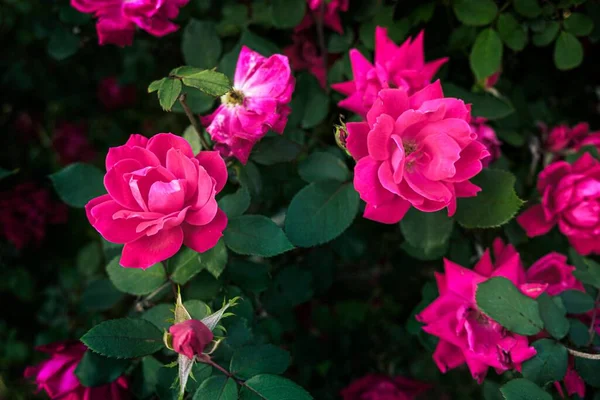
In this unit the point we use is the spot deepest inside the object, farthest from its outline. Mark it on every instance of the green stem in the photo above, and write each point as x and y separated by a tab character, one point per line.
193	121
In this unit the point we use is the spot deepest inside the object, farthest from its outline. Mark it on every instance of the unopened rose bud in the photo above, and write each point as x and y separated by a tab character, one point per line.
341	136
190	337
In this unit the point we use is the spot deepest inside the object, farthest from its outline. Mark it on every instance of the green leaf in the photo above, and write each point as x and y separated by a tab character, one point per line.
483	105
89	259
100	295
475	12
578	333
320	212
63	44
523	389
97	370
249	276
262	359
155	85
528	8
168	93
201	45
486	54
579	24
495	205
292	286
217	388
273	387
340	43
316	102
273	150
124	338
555	322
145	384
588	271
577	302
547	35
548	365
210	82
287	13
161	315
134	280
192	137
512	33
568	51
215	259
185	265
235	204
491	390
78	183
588	370
427	231
322	166
196	100
499	299
255	235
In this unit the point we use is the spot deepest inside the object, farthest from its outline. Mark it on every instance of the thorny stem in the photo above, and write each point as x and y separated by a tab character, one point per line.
321	38
592	330
581	354
193	121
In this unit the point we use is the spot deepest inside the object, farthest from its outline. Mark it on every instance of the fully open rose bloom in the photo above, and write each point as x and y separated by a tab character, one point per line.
262	89
190	337
395	67
381	387
571	199
159	197
118	19
415	151
56	376
466	333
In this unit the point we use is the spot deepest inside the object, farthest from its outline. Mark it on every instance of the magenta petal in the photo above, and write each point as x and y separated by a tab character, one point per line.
141	155
444	152
204	215
215	166
117	230
366	182
378	140
166	197
137	140
534	222
118	187
203	238
93	203
161	143
184	169
392	102
390	212
447	356
148	250
357	139
429	92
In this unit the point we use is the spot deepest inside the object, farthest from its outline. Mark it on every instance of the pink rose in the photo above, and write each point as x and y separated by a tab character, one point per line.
553	270
571	199
331	17
395	67
487	136
381	387
71	143
159	197
562	137
25	213
305	55
118	19
573	382
56	376
416	150
113	95
190	337
262	89
466	333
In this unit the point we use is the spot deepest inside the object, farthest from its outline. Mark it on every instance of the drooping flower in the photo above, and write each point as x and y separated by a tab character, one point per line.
25	213
71	143
304	55
381	387
330	16
159	197
114	96
395	67
415	151
118	19
487	136
466	333
190	337
552	269
262	89
56	376
571	200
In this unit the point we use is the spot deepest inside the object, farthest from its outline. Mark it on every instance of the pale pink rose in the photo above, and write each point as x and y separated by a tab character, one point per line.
382	387
573	382
56	376
571	199
159	197
262	89
553	270
330	17
304	55
395	67
118	19
114	96
466	333
190	337
487	136
415	151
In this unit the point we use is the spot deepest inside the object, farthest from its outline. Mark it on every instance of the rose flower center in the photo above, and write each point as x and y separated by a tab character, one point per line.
233	98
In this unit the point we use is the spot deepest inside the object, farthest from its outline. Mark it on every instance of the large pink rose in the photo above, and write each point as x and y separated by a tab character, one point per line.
118	19
415	151
552	269
381	387
571	199
159	197
466	333
262	89
395	67
56	376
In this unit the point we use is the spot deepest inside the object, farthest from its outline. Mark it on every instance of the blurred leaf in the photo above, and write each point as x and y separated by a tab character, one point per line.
340	43
287	13
273	150
235	204
588	369
145	384
547	35
78	183
579	334
555	322
483	105
579	24
322	166
528	8
577	302
96	370
255	235
136	281
292	286
548	365
523	389
89	258
486	54
217	388
201	46
168	93
5	173
568	51
100	295
475	12
262	359
249	276
426	231
63	44
512	33
273	387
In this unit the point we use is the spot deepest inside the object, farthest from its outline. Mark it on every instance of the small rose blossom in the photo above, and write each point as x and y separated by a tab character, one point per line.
417	151
330	17
571	200
395	67
71	143
118	19
56	376
159	197
114	96
190	337
304	55
381	387
552	269
466	333
262	89
563	137
487	136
